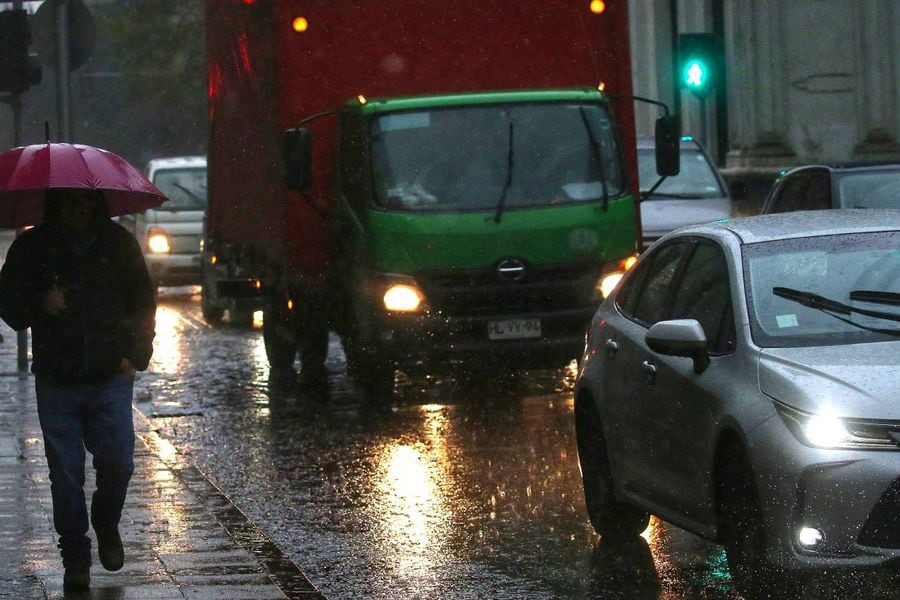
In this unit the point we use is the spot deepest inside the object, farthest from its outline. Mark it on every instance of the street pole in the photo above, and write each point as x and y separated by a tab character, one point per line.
63	87
18	134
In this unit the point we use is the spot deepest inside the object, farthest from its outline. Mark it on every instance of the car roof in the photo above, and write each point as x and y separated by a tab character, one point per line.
800	224
176	162
848	167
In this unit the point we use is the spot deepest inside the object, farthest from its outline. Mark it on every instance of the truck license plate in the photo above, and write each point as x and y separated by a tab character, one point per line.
514	329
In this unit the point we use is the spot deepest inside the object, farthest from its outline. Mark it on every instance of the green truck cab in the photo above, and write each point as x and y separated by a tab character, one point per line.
478	229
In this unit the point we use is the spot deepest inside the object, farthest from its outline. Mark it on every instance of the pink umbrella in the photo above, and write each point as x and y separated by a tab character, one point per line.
27	172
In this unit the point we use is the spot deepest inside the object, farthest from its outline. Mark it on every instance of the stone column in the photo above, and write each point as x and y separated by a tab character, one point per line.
876	94
651	59
757	84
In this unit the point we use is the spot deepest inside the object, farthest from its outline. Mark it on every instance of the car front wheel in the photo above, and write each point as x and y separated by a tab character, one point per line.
609	517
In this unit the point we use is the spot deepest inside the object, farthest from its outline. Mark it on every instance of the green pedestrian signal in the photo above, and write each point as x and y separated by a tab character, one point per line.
699	62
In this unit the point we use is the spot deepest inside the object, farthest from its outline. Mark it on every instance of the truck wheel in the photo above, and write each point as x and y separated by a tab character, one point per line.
240	318
372	373
609	517
211	314
280	338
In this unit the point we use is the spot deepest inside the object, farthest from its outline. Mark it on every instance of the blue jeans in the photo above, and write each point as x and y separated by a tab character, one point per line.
96	416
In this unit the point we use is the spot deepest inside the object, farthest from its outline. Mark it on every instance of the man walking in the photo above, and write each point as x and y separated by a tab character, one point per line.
80	282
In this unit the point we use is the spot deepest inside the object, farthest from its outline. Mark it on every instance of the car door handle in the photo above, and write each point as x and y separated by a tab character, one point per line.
649	368
612	345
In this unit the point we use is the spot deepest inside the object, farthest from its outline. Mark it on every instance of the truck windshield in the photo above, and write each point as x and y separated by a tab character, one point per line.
184	189
468	158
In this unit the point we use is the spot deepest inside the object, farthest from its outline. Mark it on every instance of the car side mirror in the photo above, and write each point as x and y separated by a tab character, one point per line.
668	145
680	337
297	154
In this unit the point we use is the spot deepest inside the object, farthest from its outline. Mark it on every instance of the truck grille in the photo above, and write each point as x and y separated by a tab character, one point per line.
463	293
882	529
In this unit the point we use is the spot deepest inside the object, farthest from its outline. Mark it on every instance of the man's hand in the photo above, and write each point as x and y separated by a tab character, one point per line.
55	301
126	369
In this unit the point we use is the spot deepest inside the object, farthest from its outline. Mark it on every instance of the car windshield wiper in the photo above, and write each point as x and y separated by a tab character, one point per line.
830	307
501	203
197	199
876	297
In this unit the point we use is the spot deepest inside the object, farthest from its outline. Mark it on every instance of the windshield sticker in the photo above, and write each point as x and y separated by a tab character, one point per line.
786	321
418	120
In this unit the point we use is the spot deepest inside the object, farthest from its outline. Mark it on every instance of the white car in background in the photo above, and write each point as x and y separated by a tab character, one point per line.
170	235
698	194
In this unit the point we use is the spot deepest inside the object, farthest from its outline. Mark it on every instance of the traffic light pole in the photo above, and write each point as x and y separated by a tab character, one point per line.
63	61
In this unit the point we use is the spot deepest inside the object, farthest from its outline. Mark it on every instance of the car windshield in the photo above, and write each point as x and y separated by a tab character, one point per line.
869	189
783	276
697	179
185	189
470	158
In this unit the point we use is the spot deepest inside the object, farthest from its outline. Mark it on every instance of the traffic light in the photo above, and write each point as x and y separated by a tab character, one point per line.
18	70
699	63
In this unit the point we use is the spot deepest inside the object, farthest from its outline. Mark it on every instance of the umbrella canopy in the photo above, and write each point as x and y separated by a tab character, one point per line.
26	173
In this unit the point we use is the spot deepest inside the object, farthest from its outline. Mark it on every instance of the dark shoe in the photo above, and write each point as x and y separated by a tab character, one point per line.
77	579
109	547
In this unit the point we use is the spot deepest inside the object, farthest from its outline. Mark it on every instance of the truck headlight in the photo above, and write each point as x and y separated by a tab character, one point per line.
158	241
829	431
401	297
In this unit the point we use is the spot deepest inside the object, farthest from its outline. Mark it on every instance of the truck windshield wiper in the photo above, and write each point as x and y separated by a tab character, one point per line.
876	297
830	306
595	147
501	203
197	199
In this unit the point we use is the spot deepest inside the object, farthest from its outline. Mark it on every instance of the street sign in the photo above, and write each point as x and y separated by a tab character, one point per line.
82	33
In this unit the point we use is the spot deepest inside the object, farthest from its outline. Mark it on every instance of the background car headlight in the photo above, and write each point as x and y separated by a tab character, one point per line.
828	431
158	241
403	298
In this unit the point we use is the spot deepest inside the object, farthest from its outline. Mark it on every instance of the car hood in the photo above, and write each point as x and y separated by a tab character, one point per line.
660	216
856	380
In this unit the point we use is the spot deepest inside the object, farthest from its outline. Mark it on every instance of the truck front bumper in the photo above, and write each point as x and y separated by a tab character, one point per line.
410	339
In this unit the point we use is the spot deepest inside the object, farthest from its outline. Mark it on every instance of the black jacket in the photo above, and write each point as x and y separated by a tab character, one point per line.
110	302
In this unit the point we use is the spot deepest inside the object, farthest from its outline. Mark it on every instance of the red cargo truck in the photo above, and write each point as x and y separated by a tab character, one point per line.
369	213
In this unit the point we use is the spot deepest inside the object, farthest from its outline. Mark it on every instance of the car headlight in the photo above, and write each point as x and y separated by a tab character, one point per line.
402	297
611	276
829	431
158	241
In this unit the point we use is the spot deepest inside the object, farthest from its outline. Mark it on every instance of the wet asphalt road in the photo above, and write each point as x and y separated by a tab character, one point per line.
453	490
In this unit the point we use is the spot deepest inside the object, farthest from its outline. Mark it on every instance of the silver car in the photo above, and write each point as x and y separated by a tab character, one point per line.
698	194
742	383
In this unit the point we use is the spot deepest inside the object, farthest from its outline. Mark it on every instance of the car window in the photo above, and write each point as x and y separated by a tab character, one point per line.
704	294
696	179
833	267
876	189
652	297
809	190
185	189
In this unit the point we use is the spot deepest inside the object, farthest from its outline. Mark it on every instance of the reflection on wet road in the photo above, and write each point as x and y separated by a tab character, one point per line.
454	490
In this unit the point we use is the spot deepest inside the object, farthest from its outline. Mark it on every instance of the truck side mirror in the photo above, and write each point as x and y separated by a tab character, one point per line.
668	145
298	158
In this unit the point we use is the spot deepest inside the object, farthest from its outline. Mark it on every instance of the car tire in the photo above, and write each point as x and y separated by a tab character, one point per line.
370	370
742	532
211	314
609	517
